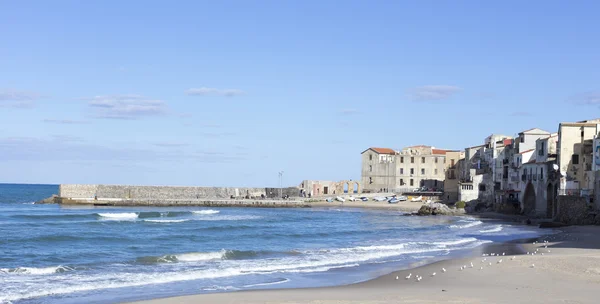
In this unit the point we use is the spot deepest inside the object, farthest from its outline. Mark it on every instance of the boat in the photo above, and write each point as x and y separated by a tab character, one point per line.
379	199
417	199
340	199
393	200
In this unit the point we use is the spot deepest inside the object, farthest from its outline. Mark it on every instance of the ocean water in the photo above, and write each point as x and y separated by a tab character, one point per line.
56	254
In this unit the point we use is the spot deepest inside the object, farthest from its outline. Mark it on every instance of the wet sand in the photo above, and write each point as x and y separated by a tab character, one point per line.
567	272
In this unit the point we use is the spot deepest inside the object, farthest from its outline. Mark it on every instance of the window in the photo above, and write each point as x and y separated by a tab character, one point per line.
370	180
541	153
370	156
435	183
452	163
422	171
435	172
370	168
542	174
423	160
523	138
402	159
412	182
412	171
401	182
412	160
481	187
401	170
575	159
436	160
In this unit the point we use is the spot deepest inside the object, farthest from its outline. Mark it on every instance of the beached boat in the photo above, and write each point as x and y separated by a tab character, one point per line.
340	199
393	200
417	199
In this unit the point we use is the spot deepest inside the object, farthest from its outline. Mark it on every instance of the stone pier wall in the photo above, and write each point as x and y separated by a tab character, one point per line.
75	191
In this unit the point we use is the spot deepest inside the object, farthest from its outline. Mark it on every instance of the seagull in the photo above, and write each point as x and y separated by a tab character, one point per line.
464	266
471	264
443	269
500	261
461	268
433	274
503	253
419	279
397	277
548	250
527	252
480	268
513	258
493	254
532	265
542	253
490	264
546	246
408	276
483	260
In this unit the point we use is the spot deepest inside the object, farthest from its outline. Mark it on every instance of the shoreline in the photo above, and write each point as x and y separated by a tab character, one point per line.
574	255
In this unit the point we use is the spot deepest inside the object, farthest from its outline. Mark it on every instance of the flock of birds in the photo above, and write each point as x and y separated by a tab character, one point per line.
483	261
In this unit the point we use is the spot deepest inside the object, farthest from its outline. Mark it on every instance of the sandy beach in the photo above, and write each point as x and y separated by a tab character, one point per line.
567	271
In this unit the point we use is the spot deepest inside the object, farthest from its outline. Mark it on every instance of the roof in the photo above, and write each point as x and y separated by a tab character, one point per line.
473	147
530	162
381	150
439	151
530	150
508	141
535	131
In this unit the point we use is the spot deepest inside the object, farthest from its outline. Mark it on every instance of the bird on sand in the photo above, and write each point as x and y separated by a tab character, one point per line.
512	259
480	268
408	276
443	269
503	253
500	261
490	264
433	274
471	264
532	265
397	277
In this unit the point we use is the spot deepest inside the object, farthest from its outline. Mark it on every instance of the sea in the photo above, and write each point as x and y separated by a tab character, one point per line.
65	254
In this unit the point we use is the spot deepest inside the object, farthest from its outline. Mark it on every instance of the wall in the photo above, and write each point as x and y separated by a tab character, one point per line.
597	190
166	192
472	193
573	210
378	168
434	169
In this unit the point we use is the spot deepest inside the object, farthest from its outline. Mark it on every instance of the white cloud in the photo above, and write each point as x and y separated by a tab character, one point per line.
65	121
433	92
126	106
588	98
17	99
214	91
349	111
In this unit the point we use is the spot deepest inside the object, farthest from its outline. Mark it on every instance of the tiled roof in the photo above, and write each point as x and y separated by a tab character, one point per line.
438	151
384	150
526	151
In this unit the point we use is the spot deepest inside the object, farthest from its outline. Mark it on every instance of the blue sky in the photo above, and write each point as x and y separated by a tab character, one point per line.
229	93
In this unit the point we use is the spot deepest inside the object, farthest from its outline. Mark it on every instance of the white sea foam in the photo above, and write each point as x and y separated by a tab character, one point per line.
467	225
204	212
456	242
200	256
496	228
267	284
36	271
167	221
119	216
229	218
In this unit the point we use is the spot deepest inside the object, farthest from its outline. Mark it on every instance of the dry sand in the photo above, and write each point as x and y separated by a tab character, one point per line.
568	272
406	206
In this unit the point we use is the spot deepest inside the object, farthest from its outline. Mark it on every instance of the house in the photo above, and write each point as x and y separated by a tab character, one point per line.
378	173
575	157
454	161
388	170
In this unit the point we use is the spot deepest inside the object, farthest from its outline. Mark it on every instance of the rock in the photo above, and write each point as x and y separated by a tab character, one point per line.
438	209
49	200
551	225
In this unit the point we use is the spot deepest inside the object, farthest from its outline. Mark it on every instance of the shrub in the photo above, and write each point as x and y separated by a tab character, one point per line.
460	204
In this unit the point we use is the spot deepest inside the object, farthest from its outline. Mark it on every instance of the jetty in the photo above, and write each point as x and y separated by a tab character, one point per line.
157	196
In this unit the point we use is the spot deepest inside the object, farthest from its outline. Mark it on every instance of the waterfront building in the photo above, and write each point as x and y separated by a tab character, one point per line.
454	162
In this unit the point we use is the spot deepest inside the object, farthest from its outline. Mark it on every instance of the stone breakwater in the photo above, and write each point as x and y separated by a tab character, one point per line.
124	195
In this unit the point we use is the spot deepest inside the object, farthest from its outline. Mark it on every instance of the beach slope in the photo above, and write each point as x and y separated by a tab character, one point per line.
568	271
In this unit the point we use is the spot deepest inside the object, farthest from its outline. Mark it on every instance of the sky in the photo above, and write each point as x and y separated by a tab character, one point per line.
230	93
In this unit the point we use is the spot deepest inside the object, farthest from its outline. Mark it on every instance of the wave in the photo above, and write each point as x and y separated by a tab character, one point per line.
204	212
230	218
468	224
37	271
119	216
167	221
202	256
280	281
496	228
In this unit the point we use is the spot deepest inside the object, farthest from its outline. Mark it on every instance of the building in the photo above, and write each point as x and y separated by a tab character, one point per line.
315	188
387	170
420	167
454	161
378	173
575	156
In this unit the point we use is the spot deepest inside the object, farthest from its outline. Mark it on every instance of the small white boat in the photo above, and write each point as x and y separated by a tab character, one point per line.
352	198
417	199
379	199
340	199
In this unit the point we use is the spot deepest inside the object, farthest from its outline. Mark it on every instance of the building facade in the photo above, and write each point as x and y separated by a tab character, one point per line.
575	156
454	161
378	173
